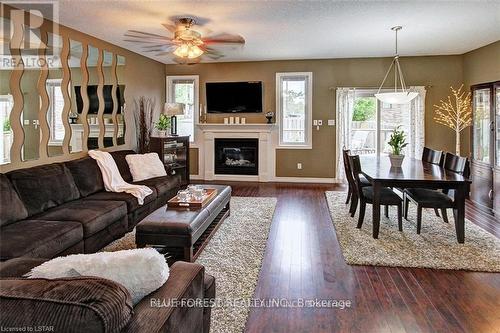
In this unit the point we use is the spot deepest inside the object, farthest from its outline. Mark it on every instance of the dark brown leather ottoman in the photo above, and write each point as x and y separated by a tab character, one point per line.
182	233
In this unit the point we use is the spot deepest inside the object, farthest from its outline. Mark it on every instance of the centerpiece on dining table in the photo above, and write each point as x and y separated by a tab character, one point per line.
397	141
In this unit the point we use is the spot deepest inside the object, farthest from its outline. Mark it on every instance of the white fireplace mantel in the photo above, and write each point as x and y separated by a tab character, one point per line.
265	133
236	127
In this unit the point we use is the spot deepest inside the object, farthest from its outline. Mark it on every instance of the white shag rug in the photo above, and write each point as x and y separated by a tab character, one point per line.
233	256
435	247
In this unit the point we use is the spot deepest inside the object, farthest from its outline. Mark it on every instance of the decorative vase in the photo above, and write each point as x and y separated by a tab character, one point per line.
162	133
396	160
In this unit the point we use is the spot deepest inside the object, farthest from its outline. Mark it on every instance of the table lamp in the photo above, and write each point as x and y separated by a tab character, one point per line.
173	110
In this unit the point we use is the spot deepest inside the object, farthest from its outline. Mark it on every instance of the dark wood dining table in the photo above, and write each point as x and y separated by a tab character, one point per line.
414	174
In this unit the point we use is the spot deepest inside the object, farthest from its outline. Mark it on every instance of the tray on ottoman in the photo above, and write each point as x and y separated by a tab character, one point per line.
175	202
182	233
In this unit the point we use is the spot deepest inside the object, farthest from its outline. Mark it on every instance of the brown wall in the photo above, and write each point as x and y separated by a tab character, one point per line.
143	77
438	73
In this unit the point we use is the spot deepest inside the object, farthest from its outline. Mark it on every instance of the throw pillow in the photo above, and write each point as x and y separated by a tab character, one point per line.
145	166
141	271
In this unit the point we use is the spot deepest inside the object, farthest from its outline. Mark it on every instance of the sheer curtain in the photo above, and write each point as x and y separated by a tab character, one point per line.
416	135
345	104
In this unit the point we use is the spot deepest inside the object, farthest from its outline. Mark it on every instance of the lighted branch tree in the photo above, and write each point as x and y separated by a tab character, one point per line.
455	114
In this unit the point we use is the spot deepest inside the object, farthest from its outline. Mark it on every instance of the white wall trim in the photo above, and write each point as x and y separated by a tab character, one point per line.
307	180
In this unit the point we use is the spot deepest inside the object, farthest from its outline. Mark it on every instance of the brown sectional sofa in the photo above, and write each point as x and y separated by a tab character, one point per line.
62	208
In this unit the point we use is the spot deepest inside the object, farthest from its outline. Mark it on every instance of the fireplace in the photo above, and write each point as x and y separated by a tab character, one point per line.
236	156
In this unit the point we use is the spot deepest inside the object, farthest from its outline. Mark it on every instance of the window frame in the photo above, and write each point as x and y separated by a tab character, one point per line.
51	83
169	97
307	144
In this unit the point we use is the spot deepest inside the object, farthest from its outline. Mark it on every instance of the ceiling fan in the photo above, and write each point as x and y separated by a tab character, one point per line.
187	45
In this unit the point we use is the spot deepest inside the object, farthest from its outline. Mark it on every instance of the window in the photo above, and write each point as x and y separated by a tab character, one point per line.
184	89
294	109
365	124
6	104
54	114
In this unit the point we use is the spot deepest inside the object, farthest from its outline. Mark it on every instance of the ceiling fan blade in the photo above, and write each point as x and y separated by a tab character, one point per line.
142	34
158	46
224	38
170	27
213	56
144	41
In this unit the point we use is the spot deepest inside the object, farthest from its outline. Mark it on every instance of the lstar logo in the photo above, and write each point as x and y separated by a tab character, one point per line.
27	31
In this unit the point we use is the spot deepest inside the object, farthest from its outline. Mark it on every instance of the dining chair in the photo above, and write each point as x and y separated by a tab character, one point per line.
366	195
432	156
436	199
352	192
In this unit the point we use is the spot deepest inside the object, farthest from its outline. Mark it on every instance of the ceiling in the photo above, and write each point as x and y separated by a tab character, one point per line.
278	30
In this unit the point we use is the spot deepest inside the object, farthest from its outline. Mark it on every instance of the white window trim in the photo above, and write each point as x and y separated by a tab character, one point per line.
50	112
308	124
169	97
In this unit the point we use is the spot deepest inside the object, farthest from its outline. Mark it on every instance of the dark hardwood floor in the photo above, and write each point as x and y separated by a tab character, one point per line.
303	260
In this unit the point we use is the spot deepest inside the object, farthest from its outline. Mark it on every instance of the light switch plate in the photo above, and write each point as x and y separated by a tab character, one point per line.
320	122
26	122
315	122
331	122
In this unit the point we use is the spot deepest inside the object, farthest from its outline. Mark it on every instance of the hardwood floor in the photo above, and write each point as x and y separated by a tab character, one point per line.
303	260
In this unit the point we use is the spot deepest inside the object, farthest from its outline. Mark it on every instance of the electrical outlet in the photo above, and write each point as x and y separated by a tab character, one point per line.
26	121
331	122
320	122
299	166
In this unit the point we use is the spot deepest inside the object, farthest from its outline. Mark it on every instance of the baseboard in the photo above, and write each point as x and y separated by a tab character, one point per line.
307	180
286	180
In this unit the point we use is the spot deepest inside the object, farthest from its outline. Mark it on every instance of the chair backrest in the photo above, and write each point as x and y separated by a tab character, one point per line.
355	166
432	156
455	163
347	168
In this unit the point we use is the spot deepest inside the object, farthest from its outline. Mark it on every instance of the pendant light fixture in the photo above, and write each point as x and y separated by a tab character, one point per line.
398	96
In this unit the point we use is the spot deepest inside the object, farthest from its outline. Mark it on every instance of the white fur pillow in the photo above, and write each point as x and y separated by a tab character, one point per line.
141	271
145	166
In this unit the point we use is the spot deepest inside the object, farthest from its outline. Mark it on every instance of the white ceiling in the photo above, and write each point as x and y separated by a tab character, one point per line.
277	30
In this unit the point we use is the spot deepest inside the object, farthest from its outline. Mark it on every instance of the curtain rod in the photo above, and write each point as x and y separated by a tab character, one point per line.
335	87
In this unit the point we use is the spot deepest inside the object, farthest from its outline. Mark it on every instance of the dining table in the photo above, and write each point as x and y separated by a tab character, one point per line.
414	173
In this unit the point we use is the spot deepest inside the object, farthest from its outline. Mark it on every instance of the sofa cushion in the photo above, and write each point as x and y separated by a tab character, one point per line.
121	163
38	238
92	214
44	187
129	199
17	267
87	175
162	184
11	207
80	304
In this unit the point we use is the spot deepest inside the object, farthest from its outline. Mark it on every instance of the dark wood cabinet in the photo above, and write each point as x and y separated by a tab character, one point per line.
485	133
174	153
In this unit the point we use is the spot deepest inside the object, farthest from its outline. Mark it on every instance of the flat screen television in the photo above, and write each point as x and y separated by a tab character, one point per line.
234	97
94	99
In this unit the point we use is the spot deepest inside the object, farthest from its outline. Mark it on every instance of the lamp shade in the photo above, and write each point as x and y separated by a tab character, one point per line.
173	109
402	97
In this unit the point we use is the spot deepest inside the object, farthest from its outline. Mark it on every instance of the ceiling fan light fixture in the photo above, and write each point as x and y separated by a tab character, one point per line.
403	95
188	50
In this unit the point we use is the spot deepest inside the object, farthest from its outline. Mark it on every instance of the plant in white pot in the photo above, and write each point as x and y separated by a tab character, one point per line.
397	141
163	125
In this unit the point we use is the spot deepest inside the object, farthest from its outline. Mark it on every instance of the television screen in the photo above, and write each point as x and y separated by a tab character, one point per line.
94	99
234	97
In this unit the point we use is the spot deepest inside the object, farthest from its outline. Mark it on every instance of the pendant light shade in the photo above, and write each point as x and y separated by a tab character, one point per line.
401	95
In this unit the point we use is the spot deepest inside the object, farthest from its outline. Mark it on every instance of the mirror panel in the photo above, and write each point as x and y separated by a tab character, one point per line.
93	139
120	117
109	90
75	120
31	99
6	101
56	99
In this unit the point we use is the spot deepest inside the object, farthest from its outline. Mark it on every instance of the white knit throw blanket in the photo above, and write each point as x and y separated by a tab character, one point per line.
113	181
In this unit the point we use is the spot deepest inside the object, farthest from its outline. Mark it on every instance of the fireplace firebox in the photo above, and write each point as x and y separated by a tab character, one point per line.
236	156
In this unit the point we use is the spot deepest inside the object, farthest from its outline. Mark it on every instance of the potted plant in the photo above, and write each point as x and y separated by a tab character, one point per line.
397	142
163	125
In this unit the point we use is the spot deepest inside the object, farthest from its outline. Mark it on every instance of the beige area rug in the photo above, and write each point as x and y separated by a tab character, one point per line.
435	247
233	255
